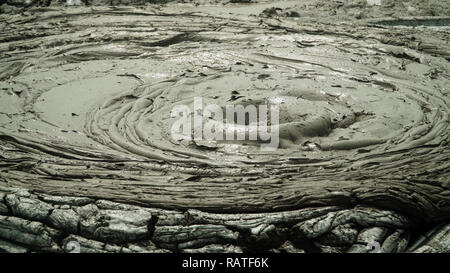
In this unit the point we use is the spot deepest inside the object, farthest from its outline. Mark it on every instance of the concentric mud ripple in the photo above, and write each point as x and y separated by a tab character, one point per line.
86	101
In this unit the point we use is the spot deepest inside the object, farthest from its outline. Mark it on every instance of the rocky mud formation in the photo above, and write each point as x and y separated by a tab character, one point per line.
87	161
49	223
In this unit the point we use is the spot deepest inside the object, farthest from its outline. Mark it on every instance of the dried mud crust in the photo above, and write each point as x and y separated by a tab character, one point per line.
85	152
321	10
48	223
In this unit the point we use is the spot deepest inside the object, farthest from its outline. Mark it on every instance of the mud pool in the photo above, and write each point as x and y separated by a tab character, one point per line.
85	101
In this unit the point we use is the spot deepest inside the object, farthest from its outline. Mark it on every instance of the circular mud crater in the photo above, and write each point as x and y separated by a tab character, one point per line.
86	99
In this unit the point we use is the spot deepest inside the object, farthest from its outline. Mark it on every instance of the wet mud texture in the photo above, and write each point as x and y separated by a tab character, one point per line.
86	152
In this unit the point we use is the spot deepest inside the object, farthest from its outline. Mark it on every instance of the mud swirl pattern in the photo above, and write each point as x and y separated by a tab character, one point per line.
86	101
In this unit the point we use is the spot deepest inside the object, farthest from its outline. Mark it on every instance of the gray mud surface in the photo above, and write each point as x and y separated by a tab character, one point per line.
85	148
